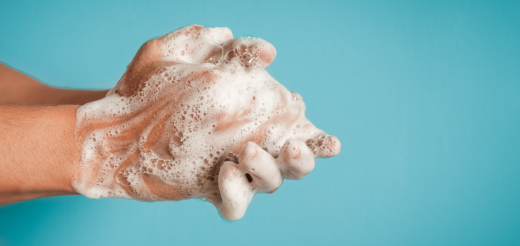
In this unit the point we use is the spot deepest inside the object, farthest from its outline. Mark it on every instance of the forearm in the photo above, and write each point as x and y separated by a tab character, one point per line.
18	88
38	152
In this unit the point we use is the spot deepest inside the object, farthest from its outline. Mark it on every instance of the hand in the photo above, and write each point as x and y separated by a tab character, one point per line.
197	116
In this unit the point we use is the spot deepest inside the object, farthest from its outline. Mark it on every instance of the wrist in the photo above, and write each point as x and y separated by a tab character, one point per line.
66	147
39	152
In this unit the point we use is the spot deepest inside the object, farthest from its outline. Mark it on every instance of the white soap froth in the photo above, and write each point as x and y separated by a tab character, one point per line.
169	140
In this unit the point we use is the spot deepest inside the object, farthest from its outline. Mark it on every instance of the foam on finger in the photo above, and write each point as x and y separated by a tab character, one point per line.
324	145
217	34
257	171
296	160
235	190
248	52
194	44
264	173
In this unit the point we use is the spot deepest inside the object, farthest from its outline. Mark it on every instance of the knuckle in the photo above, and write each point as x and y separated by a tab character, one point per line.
296	159
260	167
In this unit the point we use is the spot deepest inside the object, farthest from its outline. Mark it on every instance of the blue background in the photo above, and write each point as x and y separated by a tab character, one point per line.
425	97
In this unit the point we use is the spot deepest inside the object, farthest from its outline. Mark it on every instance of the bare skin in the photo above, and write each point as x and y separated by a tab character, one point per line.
20	89
58	145
38	151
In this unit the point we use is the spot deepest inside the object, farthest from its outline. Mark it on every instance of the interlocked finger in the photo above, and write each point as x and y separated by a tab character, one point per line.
258	171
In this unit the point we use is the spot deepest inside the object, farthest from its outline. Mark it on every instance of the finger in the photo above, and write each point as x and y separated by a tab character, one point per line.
261	169
321	144
145	62
248	52
295	160
324	145
217	34
194	44
195	50
235	190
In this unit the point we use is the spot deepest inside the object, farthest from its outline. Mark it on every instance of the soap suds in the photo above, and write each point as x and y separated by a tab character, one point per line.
207	123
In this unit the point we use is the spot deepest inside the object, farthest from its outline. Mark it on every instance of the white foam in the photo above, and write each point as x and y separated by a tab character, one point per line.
185	123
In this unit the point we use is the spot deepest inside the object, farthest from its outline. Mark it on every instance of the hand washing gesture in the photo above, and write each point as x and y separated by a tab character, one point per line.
197	116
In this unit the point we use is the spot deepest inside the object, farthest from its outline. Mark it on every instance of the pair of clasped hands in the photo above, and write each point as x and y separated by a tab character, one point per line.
255	169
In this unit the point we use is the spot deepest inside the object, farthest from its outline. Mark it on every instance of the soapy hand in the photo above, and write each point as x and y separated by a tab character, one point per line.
197	116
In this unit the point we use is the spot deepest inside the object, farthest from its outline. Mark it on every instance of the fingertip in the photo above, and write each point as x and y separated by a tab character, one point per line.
215	34
219	34
335	145
249	151
249	52
227	34
331	146
325	146
267	54
235	192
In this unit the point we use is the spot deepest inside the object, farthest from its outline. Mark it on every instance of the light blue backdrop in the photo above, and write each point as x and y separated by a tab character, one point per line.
425	97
